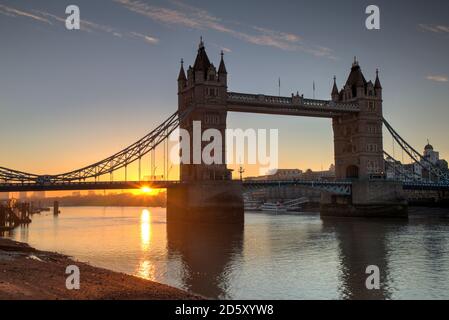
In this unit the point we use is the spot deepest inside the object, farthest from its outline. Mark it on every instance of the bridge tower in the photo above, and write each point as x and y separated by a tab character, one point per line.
358	150
205	90
206	192
358	144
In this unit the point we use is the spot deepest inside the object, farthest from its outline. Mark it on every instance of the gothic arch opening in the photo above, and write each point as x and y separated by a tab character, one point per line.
352	172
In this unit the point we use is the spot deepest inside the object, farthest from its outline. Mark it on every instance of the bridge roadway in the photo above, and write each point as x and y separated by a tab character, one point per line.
343	187
295	105
337	187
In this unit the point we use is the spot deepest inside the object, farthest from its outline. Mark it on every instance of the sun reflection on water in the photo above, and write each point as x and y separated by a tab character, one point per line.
145	229
145	269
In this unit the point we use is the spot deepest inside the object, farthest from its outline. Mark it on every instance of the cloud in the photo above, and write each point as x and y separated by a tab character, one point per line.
437	78
434	28
149	39
12	12
196	18
85	25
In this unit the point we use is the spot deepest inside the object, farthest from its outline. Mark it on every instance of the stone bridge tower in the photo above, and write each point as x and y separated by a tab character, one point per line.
358	142
358	147
205	90
207	193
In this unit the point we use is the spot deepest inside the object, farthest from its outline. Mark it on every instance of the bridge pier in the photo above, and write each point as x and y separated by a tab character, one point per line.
370	199
206	202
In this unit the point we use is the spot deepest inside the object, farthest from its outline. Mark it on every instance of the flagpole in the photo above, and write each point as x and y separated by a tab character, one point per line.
313	89
279	86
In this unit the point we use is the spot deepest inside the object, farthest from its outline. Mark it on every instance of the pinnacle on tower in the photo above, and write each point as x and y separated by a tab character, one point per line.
182	74
222	67
377	84
356	77
334	88
202	62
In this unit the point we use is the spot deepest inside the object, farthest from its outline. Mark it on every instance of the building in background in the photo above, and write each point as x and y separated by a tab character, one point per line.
417	171
286	192
279	175
297	174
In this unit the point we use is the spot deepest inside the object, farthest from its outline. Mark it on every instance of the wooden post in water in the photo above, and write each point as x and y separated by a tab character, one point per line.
2	216
23	211
55	208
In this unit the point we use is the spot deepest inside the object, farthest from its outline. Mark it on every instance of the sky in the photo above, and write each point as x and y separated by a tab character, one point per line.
71	98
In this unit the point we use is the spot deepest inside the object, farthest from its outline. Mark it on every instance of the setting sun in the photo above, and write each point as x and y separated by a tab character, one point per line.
146	190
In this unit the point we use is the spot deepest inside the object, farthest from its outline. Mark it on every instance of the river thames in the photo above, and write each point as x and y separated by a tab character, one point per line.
288	256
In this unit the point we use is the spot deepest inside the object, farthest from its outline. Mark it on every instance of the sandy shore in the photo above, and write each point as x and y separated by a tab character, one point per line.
26	273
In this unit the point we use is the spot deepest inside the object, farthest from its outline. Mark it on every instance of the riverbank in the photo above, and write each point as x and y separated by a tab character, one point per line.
27	273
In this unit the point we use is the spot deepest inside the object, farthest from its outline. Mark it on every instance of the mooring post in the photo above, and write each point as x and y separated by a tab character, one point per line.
55	208
2	216
23	208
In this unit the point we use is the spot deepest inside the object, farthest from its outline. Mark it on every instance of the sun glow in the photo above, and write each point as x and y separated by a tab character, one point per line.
148	191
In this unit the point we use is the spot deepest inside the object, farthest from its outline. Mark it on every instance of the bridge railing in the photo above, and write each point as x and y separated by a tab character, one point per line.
292	102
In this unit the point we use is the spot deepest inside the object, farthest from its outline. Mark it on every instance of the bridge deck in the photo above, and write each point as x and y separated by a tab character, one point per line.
110	185
339	187
296	105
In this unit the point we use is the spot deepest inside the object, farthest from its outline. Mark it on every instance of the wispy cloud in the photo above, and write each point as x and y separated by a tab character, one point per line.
437	78
12	12
85	25
185	15
146	38
434	28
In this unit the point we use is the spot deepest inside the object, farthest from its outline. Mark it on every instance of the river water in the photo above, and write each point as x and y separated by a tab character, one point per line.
270	257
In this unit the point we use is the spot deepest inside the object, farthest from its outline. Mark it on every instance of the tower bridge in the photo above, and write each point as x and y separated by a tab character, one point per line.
206	192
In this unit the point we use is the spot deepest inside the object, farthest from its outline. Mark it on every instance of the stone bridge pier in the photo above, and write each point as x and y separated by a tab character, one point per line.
369	199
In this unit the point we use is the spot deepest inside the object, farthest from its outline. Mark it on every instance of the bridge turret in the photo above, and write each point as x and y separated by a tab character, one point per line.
378	86
182	80
335	94
222	73
356	81
202	64
358	143
206	93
